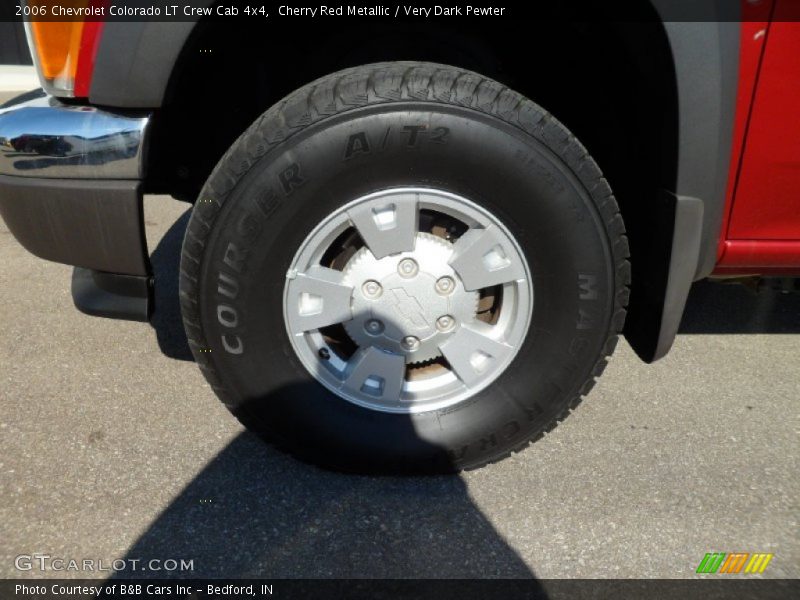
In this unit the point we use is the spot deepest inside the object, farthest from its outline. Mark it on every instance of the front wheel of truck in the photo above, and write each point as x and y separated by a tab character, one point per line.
404	267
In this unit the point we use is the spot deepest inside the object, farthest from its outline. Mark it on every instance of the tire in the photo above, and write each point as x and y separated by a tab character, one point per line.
349	135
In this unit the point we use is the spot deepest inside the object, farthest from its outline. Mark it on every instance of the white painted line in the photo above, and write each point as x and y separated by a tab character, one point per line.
15	78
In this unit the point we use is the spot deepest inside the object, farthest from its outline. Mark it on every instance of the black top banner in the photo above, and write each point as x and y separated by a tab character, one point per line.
480	11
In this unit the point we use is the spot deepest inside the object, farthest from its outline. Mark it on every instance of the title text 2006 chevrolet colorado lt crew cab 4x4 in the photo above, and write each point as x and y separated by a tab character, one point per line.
421	255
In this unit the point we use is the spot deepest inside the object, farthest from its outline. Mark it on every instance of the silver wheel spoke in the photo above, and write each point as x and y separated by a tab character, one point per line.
376	373
317	298
473	354
387	226
484	257
407	299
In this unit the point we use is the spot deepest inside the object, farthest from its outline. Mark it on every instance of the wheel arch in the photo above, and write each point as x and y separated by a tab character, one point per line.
655	114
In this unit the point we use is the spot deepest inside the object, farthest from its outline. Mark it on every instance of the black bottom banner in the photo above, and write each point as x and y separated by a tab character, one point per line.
377	589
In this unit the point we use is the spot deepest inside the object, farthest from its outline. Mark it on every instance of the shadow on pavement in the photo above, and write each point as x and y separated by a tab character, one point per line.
166	319
715	307
254	512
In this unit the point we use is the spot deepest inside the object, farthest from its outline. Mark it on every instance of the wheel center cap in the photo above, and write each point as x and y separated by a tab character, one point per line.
408	303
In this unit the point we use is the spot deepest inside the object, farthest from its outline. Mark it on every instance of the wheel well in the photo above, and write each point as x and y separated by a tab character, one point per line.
612	84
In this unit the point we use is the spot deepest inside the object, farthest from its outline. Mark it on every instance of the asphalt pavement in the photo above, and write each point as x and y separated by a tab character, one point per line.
113	447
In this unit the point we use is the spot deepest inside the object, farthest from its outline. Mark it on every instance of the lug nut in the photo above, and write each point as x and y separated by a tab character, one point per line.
410	343
445	285
445	323
408	268
373	327
372	289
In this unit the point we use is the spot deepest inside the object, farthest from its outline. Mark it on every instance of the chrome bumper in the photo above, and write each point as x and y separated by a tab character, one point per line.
71	192
48	139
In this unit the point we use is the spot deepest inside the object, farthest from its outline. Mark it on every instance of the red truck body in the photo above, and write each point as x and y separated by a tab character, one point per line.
761	227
